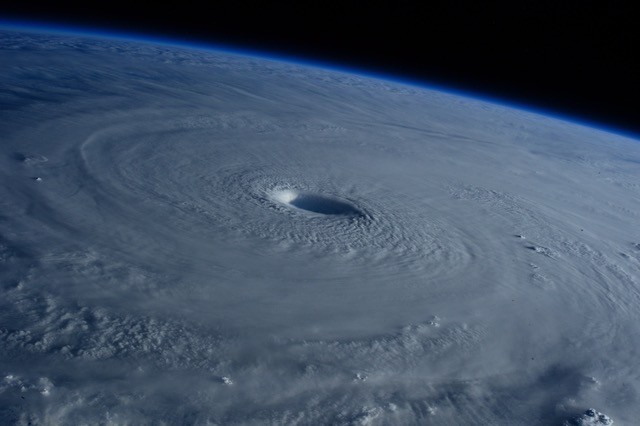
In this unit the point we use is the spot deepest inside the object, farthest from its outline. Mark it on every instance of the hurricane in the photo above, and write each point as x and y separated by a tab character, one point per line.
199	236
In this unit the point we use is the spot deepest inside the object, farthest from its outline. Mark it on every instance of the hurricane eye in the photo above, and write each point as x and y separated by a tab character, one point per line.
316	203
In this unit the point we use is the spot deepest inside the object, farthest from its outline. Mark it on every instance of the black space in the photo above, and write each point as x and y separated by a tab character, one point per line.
576	58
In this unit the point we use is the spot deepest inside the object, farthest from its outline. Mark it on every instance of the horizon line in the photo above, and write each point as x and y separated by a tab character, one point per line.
73	29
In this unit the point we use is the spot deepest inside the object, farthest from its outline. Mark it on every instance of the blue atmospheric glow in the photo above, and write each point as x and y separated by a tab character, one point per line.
72	29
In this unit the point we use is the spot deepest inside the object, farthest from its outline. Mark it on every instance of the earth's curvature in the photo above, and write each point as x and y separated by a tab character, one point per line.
198	237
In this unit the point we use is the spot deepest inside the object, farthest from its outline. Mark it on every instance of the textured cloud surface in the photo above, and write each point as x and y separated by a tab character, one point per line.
197	237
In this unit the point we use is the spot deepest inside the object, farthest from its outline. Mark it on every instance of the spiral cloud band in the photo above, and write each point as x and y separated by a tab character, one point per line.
201	237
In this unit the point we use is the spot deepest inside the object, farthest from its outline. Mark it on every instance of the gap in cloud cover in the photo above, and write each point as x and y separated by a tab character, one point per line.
176	261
